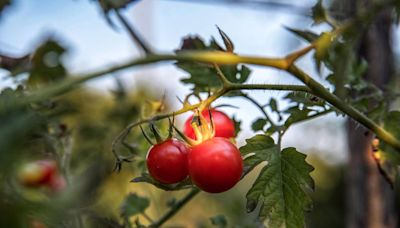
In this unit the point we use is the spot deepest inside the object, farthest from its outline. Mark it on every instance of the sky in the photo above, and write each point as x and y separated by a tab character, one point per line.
93	44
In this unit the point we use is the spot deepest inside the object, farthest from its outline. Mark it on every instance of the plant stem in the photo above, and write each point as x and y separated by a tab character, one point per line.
175	208
205	103
223	58
133	33
252	100
344	107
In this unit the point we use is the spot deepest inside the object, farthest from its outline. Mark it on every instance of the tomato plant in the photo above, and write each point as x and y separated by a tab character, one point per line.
223	125
167	161
40	116
215	165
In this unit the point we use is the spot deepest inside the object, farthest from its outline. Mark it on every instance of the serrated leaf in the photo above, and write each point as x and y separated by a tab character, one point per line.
388	157
318	13
280	186
219	221
296	114
203	77
237	124
305	34
133	205
273	105
257	150
258	124
305	99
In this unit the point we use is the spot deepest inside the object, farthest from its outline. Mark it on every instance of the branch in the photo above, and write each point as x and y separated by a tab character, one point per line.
175	208
344	107
252	100
133	33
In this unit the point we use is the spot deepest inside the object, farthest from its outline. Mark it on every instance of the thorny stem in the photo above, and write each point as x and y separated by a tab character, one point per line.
260	107
344	107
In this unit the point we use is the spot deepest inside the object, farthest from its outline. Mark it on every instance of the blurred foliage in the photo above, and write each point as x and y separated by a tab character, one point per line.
3	4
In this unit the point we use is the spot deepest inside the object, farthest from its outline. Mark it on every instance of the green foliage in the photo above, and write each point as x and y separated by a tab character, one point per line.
318	13
219	221
133	205
258	124
387	157
203	77
47	64
280	186
4	4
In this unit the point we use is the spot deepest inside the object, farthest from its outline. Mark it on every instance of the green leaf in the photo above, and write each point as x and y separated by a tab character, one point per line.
203	77
273	105
133	205
318	13
387	157
219	221
280	186
296	114
305	99
257	150
237	124
258	125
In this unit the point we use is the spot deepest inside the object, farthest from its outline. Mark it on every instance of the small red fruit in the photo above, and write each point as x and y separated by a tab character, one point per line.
167	161
215	165
223	125
37	173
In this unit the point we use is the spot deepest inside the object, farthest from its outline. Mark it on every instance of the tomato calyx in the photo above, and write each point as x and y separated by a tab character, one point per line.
203	130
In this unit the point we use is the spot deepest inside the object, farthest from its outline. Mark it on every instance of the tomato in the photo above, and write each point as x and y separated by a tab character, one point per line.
167	161
38	173
215	165
58	183
224	126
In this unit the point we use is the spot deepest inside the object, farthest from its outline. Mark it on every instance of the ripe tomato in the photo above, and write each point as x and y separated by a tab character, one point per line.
58	183
224	126
167	161
215	165
38	173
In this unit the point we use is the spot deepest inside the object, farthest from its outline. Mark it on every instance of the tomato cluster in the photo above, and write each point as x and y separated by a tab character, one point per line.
214	164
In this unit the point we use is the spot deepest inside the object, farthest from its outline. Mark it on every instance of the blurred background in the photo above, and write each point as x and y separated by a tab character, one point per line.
97	115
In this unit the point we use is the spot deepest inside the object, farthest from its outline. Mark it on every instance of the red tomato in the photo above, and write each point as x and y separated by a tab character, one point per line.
167	161
215	165
38	173
224	126
58	183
